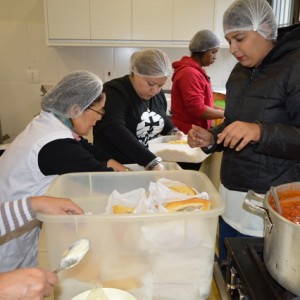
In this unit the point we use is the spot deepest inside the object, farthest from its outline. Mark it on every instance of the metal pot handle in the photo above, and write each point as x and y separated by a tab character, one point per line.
251	195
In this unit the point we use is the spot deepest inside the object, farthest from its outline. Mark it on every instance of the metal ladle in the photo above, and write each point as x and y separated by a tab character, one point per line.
277	202
73	255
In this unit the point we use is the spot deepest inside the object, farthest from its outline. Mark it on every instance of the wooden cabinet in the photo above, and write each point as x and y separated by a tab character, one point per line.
126	22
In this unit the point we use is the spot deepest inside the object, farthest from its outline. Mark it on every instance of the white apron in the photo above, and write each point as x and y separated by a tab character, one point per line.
20	177
240	217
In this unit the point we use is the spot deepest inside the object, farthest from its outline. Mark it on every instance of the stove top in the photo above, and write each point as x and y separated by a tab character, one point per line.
246	276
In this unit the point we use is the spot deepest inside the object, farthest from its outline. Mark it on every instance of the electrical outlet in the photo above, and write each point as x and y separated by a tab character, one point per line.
109	75
32	76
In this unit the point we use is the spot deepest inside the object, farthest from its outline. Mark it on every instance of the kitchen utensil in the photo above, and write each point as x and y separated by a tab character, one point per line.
281	239
73	255
274	193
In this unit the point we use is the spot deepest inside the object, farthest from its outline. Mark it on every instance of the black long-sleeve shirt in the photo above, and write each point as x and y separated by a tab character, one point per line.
129	123
68	155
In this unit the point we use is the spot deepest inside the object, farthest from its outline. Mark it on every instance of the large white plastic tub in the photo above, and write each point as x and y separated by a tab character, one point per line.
153	256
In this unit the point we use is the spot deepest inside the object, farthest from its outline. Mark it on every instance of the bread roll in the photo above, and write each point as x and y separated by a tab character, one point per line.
184	189
121	209
188	205
177	142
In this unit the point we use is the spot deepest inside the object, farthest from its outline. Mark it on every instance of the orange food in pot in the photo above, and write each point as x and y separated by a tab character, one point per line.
290	205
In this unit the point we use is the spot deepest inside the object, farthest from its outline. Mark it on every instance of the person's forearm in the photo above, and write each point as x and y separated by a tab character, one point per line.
212	113
137	152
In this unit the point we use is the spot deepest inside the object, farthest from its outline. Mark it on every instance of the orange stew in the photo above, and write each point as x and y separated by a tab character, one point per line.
290	205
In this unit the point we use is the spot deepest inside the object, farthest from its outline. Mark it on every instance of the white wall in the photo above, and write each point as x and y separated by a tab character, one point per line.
22	40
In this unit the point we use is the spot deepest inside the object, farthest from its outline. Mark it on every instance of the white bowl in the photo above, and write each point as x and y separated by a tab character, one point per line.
112	294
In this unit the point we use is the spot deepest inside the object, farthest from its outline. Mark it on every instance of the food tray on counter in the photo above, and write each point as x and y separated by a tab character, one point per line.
176	152
153	256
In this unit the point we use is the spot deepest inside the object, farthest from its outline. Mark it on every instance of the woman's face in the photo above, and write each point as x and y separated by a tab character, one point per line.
87	120
209	57
147	87
248	47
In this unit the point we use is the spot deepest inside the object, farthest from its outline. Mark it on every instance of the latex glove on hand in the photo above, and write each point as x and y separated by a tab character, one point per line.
159	167
179	135
155	165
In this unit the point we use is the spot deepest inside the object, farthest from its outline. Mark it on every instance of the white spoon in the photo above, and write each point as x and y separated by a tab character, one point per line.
73	255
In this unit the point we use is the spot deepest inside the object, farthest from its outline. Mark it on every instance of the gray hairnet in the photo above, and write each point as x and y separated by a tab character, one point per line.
73	94
204	40
250	15
151	63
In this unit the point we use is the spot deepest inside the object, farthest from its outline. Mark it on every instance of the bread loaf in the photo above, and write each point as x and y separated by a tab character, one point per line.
188	205
121	209
183	189
177	142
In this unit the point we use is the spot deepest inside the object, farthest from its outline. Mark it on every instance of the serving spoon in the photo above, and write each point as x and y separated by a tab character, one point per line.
277	202
73	255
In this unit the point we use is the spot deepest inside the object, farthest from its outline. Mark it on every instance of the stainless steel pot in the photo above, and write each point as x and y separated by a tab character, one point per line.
281	240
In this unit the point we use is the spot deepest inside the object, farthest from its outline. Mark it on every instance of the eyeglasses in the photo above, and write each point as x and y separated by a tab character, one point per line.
101	112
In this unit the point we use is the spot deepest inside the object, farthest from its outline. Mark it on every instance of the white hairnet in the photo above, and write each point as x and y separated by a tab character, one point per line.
250	15
204	40
151	63
73	94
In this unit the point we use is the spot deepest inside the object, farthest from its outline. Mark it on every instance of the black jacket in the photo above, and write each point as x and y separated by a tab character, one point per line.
127	127
269	94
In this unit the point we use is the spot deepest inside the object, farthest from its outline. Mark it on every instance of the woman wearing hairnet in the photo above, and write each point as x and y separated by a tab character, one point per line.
191	94
136	111
260	137
49	146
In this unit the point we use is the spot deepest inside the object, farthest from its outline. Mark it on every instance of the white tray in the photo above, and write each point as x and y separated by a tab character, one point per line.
176	152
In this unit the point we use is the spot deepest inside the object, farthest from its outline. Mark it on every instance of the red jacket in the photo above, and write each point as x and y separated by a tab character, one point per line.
191	94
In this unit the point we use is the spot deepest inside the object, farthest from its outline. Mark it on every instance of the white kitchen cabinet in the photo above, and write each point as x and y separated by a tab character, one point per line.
67	19
220	7
126	22
110	20
152	20
190	16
